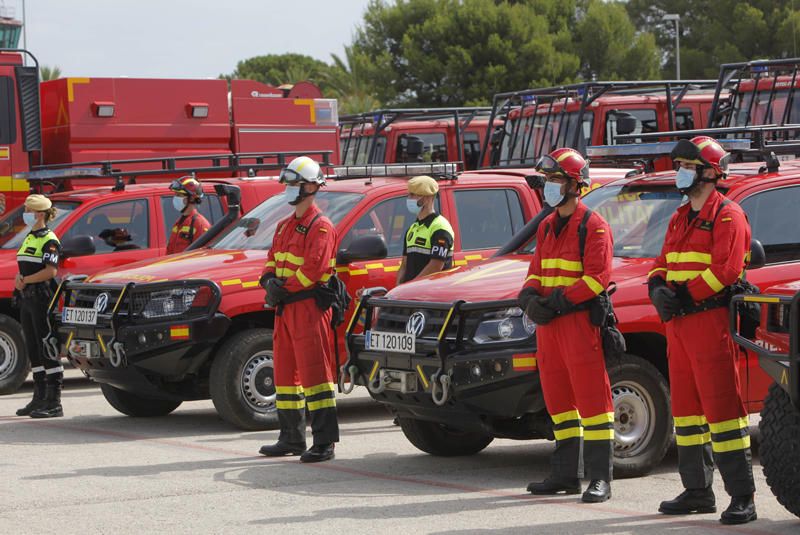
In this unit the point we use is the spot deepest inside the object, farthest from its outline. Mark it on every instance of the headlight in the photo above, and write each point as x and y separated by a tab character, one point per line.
172	302
507	325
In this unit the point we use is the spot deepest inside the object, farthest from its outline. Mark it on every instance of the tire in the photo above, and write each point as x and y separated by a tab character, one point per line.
14	363
242	382
780	448
442	441
137	406
642	416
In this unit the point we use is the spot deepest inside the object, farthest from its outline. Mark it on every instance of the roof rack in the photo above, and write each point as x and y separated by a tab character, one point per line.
354	126
437	170
774	81
569	129
250	163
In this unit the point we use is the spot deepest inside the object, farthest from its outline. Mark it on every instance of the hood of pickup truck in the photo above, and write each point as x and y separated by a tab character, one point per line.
497	279
240	269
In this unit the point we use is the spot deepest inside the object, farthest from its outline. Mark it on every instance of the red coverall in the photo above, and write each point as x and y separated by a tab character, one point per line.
303	254
570	351
707	254
187	228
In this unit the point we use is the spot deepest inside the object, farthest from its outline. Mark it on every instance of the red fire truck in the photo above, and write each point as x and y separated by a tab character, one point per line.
59	123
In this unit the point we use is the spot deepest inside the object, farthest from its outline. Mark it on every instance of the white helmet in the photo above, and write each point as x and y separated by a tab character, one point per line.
302	169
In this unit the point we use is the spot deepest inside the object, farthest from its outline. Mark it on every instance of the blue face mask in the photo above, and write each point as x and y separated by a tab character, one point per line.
292	192
684	179
412	206
29	218
178	203
552	194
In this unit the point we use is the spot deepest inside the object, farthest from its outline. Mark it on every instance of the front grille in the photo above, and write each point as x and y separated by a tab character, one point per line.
395	319
85	298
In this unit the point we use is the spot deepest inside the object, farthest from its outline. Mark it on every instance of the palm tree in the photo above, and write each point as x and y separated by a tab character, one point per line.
49	73
350	81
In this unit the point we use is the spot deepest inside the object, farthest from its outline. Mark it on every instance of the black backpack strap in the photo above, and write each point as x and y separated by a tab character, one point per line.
582	232
191	227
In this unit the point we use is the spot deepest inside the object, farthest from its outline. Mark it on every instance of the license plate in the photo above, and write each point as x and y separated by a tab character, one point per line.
79	316
82	349
395	342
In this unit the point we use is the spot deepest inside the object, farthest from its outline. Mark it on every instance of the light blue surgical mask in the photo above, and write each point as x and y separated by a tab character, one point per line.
29	218
552	194
292	192
684	179
178	203
412	206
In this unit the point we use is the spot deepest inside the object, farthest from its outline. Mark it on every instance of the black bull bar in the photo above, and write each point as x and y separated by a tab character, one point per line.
442	347
784	368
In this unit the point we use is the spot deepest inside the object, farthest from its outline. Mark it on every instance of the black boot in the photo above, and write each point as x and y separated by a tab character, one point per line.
37	401
553	485
51	407
318	453
282	449
598	491
690	501
741	511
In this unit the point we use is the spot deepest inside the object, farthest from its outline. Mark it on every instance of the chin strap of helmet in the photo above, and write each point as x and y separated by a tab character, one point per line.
302	195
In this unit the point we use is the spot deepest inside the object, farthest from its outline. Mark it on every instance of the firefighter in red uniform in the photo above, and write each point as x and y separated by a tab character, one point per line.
557	294
704	254
302	258
190	224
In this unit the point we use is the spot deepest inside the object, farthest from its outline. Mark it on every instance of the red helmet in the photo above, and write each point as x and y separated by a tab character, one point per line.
188	186
566	162
704	151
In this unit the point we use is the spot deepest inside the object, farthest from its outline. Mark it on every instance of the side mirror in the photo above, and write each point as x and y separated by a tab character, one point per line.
758	258
363	248
80	245
626	123
414	146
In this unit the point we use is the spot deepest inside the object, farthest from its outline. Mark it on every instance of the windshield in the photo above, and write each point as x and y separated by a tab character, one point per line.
761	112
13	230
638	216
523	140
356	149
256	229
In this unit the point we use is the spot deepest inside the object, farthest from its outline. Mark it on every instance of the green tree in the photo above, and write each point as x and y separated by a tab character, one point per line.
49	73
350	80
719	31
277	69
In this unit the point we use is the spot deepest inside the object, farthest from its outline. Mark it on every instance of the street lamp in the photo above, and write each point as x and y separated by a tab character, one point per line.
677	19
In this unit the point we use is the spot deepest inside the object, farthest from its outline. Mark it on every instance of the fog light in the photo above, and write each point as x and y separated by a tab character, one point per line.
476	370
142	339
498	366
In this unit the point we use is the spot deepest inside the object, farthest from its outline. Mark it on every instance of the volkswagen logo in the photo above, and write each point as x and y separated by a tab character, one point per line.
101	303
416	324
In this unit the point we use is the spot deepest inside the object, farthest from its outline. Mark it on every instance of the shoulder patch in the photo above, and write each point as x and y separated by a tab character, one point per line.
323	229
726	219
600	231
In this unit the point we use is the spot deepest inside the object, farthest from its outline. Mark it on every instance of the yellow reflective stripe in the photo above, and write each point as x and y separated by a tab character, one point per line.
422	376
560	263
728	425
231	282
565	417
321	404
689	256
271	263
288	389
731	445
250	284
332	263
281	404
656	270
680	276
712	280
593	285
600	434
693	440
289	257
533	278
571	432
550	282
604	418
305	281
322	387
686	421
325	277
284	273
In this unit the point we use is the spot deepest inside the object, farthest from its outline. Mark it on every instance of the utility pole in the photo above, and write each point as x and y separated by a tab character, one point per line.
677	19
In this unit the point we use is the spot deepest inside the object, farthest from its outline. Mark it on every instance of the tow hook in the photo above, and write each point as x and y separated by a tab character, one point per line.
51	346
117	354
378	384
440	395
352	371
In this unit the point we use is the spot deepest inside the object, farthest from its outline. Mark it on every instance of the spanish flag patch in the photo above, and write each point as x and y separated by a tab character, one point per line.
179	332
524	362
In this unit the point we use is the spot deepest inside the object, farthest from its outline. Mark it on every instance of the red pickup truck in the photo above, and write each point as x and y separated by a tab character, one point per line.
472	375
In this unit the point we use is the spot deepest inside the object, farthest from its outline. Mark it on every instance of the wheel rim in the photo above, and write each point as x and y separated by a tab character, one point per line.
634	418
8	355
258	382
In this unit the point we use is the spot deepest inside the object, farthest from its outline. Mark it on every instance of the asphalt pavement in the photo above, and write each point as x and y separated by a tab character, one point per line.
97	471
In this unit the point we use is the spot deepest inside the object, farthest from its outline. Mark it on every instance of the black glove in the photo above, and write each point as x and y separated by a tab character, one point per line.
559	302
539	312
525	296
666	302
275	291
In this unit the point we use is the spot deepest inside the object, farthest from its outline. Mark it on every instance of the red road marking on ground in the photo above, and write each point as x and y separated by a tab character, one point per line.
673	521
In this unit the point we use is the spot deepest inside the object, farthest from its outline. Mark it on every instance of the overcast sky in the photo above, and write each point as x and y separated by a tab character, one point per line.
181	38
